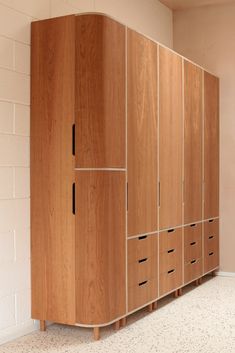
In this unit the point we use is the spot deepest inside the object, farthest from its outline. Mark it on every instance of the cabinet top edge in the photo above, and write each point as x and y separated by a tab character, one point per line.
131	28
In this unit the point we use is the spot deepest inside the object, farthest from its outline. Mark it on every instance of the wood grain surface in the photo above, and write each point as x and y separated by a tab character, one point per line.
142	134
52	170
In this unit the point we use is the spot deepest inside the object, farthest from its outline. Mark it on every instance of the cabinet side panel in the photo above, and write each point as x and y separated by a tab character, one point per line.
211	146
100	246
52	170
171	138
142	134
192	143
100	92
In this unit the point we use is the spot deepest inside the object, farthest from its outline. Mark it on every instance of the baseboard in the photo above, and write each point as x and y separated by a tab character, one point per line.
225	274
12	333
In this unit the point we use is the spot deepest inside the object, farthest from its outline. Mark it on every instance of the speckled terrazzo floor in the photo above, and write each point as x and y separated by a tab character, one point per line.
202	320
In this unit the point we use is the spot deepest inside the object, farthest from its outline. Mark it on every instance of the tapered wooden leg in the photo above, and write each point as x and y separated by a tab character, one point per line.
123	322
180	292
200	280
96	333
154	305
176	293
150	308
42	325
117	325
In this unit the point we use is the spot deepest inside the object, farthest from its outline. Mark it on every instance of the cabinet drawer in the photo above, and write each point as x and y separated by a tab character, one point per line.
192	234
193	252
211	228
142	293
211	261
192	270
142	270
171	239
170	259
170	280
142	247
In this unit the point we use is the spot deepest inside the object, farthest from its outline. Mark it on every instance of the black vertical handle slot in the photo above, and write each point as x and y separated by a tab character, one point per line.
73	199
73	139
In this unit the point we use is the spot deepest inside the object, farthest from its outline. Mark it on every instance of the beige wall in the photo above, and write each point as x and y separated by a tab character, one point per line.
147	16
206	36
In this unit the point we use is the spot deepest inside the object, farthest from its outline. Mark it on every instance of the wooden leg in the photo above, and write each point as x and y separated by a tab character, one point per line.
196	282
96	333
42	325
123	322
176	293
150	308
180	292
154	305
117	325
213	274
200	280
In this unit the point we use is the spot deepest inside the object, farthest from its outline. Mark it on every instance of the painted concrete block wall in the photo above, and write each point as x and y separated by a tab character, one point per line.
147	16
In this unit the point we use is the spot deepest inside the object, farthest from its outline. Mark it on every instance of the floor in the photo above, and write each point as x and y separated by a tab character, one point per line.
202	320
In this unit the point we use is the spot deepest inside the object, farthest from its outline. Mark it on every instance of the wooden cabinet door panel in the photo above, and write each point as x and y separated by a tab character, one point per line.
52	170
142	134
170	144
100	92
211	146
192	143
100	246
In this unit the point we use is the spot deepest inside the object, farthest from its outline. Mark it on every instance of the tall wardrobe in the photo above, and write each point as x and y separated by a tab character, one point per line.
124	171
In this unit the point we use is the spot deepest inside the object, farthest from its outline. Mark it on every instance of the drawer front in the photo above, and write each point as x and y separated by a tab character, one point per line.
170	259
193	252
211	236
211	227
142	293
142	247
192	234
142	270
170	280
171	239
192	270
211	261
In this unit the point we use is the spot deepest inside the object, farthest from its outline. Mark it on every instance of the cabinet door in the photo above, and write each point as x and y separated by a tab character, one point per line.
192	143
100	92
52	170
171	139
100	246
211	146
142	134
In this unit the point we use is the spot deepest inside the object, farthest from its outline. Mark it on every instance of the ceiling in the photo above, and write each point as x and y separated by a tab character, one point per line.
186	4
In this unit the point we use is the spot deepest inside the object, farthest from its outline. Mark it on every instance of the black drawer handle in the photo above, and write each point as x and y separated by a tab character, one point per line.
73	199
211	220
193	225
193	243
211	253
170	251
143	237
211	237
143	260
171	271
143	283
193	262
73	139
171	230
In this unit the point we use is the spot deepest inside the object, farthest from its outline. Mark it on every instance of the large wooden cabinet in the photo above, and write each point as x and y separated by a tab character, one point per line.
124	171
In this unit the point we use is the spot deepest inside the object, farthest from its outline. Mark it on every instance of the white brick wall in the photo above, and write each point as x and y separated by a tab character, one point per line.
148	16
